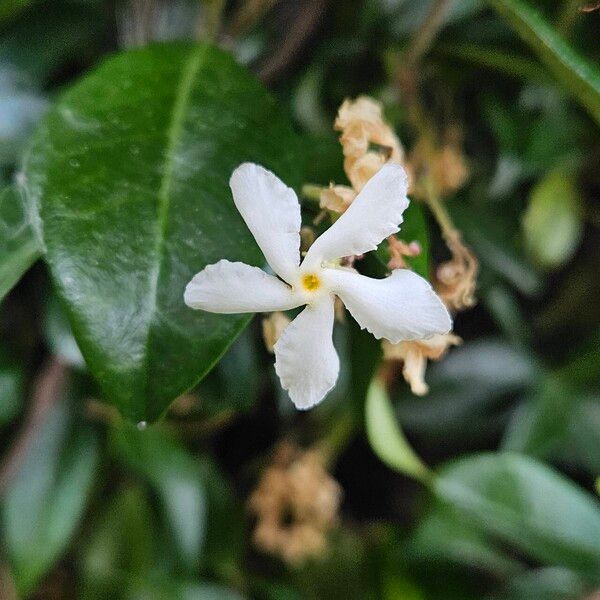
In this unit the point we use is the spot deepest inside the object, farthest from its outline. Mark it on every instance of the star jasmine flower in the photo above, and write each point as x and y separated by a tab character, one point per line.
400	307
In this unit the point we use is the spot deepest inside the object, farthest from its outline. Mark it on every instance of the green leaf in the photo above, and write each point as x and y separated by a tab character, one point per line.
497	59
18	246
129	175
544	420
553	222
578	75
41	41
224	545
179	590
176	478
122	543
46	499
386	438
550	583
9	8
442	537
528	505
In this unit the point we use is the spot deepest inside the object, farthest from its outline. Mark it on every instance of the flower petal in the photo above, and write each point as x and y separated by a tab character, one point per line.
400	307
306	361
272	213
234	287
374	215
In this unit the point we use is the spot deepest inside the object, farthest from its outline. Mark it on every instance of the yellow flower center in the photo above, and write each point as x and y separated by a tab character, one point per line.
311	282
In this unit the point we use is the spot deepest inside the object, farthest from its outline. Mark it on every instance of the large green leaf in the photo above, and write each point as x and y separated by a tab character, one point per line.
528	505
47	497
129	176
578	75
18	246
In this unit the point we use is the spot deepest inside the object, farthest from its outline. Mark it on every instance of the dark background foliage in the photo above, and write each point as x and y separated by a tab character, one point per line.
93	506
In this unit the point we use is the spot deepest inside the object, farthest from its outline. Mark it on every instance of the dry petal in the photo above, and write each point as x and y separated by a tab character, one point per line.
457	278
415	354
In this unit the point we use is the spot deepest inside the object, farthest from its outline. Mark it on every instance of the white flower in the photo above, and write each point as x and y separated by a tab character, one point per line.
400	307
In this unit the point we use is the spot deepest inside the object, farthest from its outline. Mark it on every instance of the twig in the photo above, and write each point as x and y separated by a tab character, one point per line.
47	389
306	22
426	33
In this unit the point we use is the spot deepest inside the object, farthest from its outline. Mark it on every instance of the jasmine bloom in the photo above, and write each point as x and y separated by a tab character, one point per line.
400	307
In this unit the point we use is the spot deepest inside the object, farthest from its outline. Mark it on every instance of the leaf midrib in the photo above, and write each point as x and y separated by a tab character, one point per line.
182	100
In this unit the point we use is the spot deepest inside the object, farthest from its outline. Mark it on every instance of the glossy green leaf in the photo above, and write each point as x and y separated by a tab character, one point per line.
18	245
176	478
46	500
129	176
553	222
386	437
528	505
578	75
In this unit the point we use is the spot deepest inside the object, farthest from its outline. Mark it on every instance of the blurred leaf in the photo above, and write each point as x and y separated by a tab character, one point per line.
502	304
539	426
494	251
578	75
18	246
46	500
553	222
443	537
468	392
179	590
59	336
139	202
177	479
122	544
224	544
41	40
496	59
528	505
11	388
386	438
9	8
550	583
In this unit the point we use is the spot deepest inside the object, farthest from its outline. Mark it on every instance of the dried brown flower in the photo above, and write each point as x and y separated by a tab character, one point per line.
415	355
399	250
368	142
296	504
457	278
